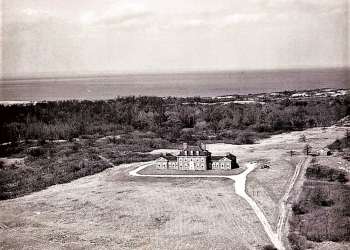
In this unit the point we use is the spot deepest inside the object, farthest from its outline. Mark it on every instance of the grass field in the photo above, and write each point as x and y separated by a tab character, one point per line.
111	210
267	186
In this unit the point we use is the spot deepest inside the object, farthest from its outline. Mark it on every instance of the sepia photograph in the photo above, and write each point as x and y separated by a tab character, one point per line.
175	125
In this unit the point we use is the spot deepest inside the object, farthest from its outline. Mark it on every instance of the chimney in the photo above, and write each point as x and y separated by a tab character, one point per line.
184	146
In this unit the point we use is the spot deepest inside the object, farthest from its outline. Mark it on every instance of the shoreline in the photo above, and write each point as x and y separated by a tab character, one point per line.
257	98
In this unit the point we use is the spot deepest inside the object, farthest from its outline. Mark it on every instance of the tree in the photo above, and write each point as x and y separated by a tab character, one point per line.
347	137
342	178
307	149
269	247
302	138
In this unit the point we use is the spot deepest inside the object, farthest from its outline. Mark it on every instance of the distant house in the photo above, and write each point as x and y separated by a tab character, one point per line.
297	95
324	152
196	158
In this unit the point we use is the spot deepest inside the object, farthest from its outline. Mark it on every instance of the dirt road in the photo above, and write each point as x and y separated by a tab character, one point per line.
303	164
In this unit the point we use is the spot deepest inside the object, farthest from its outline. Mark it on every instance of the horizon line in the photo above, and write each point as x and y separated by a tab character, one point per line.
71	75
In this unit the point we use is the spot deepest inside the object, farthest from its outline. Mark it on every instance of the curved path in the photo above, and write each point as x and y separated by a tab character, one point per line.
239	186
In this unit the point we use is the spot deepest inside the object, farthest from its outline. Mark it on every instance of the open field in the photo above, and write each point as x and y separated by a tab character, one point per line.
267	186
112	210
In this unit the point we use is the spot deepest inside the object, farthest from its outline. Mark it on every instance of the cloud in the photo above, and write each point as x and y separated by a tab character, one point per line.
244	18
138	15
310	6
115	15
154	15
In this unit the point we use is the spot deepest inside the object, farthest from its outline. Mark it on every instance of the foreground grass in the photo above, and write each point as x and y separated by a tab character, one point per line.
322	212
113	210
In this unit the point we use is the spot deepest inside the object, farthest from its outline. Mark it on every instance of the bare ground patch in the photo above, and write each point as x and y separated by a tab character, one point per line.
267	186
111	210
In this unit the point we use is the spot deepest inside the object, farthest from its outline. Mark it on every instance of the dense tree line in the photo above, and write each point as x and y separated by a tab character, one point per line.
170	118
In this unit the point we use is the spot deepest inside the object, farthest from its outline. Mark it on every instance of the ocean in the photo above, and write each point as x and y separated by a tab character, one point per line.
205	84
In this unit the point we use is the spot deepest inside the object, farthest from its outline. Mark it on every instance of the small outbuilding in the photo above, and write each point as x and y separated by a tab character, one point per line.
324	152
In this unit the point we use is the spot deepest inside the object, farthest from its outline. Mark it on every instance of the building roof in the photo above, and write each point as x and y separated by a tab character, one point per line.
169	157
161	158
228	156
216	158
194	149
231	157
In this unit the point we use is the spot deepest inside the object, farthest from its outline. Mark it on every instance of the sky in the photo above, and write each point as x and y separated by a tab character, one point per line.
72	37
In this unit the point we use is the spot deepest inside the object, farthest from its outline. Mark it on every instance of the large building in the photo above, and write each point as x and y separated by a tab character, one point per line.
196	158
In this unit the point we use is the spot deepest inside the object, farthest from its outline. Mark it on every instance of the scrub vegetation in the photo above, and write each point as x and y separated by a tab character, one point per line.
322	212
61	141
171	119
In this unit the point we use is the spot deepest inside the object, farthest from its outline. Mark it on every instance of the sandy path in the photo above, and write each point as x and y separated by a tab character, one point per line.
239	186
284	203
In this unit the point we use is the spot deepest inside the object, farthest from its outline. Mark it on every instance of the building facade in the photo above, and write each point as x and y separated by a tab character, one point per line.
196	158
224	162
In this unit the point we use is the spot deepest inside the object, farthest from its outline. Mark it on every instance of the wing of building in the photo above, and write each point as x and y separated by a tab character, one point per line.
224	162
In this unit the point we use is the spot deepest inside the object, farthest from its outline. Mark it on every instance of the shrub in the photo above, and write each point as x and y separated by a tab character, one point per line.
320	198
269	247
76	147
298	209
342	178
302	138
7	150
322	211
319	172
37	152
307	149
338	144
245	138
297	242
42	141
